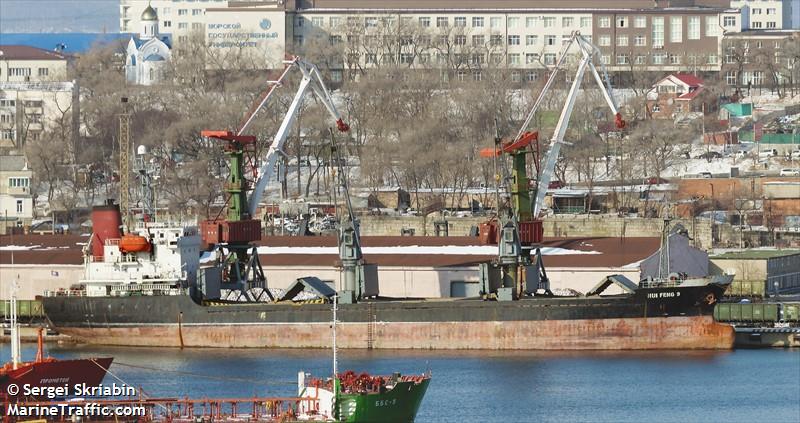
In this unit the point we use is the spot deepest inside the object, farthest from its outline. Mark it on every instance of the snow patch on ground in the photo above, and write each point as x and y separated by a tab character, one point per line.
480	250
18	247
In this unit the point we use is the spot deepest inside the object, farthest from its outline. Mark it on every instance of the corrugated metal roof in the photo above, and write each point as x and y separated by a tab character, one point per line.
20	52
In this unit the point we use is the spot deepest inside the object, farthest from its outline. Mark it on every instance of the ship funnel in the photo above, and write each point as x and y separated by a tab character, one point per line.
106	224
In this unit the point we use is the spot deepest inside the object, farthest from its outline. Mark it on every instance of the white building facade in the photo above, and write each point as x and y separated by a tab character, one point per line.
769	14
148	54
16	201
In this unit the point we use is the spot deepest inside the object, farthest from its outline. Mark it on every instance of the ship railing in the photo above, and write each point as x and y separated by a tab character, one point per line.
147	289
660	283
61	292
112	241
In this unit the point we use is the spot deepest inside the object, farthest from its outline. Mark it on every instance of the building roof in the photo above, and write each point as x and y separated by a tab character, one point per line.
688	79
756	254
20	52
303	251
149	14
154	58
13	163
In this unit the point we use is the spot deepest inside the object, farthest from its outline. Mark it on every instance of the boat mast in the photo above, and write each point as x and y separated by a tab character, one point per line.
335	361
15	355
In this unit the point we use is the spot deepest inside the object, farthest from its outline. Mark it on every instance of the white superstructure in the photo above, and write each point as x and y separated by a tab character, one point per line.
168	267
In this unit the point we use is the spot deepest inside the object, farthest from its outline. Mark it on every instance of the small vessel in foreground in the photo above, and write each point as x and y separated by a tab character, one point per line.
45	372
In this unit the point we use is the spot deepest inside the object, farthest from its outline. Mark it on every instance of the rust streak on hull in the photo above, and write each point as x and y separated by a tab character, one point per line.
696	332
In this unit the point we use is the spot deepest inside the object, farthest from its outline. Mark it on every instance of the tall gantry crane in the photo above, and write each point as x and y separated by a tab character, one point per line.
236	232
514	273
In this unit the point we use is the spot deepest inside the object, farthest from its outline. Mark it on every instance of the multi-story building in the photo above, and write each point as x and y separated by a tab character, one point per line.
756	59
16	201
27	109
30	64
464	36
769	14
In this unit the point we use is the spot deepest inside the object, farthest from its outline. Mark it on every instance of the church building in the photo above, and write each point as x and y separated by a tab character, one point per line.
148	54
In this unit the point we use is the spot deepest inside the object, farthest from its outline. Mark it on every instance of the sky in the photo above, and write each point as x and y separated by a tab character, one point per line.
59	16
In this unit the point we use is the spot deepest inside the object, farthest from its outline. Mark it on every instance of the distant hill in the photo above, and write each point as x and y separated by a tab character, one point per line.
59	16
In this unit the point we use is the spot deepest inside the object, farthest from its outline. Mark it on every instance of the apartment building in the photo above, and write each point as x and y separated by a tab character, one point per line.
466	35
27	109
769	14
16	201
20	63
755	59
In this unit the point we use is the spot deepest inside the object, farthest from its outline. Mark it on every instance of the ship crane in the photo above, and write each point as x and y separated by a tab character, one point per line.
514	273
240	228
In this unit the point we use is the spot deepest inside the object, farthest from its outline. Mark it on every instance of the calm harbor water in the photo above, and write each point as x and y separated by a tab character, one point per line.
490	386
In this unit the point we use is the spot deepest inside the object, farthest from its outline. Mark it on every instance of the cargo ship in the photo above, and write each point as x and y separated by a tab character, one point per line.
158	295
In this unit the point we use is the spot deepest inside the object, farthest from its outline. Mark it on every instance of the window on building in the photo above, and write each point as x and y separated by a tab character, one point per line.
549	59
32	103
19	71
567	22
477	76
605	59
586	22
183	12
460	21
425	21
676	29
531	40
513	22
622	21
495	22
640	41
756	25
406	58
604	22
197	12
166	11
674	59
460	40
771	25
712	59
496	40
531	22
442	22
513	40
659	58
44	71
640	22
549	22
693	32
6	118
298	40
19	206
658	32
461	75
478	40
729	21
549	40
319	21
183	25
622	59
530	76
771	11
197	25
7	134
622	40
604	41
167	24
531	58
516	77
712	26
8	103
496	58
756	11
335	39
18	182
730	77
477	22
513	59
640	59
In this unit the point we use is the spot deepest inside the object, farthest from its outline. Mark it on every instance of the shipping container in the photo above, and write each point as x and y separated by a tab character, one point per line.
791	312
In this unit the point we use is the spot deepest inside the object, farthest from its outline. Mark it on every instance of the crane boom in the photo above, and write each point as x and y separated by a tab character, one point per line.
588	51
311	78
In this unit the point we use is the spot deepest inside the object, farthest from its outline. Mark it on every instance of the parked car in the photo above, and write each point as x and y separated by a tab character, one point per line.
705	175
795	154
790	172
766	154
710	155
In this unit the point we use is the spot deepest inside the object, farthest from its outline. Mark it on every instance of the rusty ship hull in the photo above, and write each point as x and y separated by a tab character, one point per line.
651	318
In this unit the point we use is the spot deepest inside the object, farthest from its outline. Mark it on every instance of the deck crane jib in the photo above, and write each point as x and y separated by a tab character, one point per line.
518	234
234	234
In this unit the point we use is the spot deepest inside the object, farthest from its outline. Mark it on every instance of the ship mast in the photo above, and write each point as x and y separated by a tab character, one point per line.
15	354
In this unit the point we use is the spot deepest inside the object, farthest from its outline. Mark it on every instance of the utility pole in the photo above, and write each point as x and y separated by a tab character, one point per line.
124	162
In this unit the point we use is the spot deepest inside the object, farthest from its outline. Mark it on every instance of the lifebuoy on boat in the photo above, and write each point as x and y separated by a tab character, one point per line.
711	298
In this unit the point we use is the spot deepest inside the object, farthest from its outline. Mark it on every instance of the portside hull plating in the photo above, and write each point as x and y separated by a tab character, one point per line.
662	322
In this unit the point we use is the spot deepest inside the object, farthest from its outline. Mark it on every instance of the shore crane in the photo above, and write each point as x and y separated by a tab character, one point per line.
514	273
235	234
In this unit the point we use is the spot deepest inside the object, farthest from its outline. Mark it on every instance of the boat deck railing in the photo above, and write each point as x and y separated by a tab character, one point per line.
660	283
